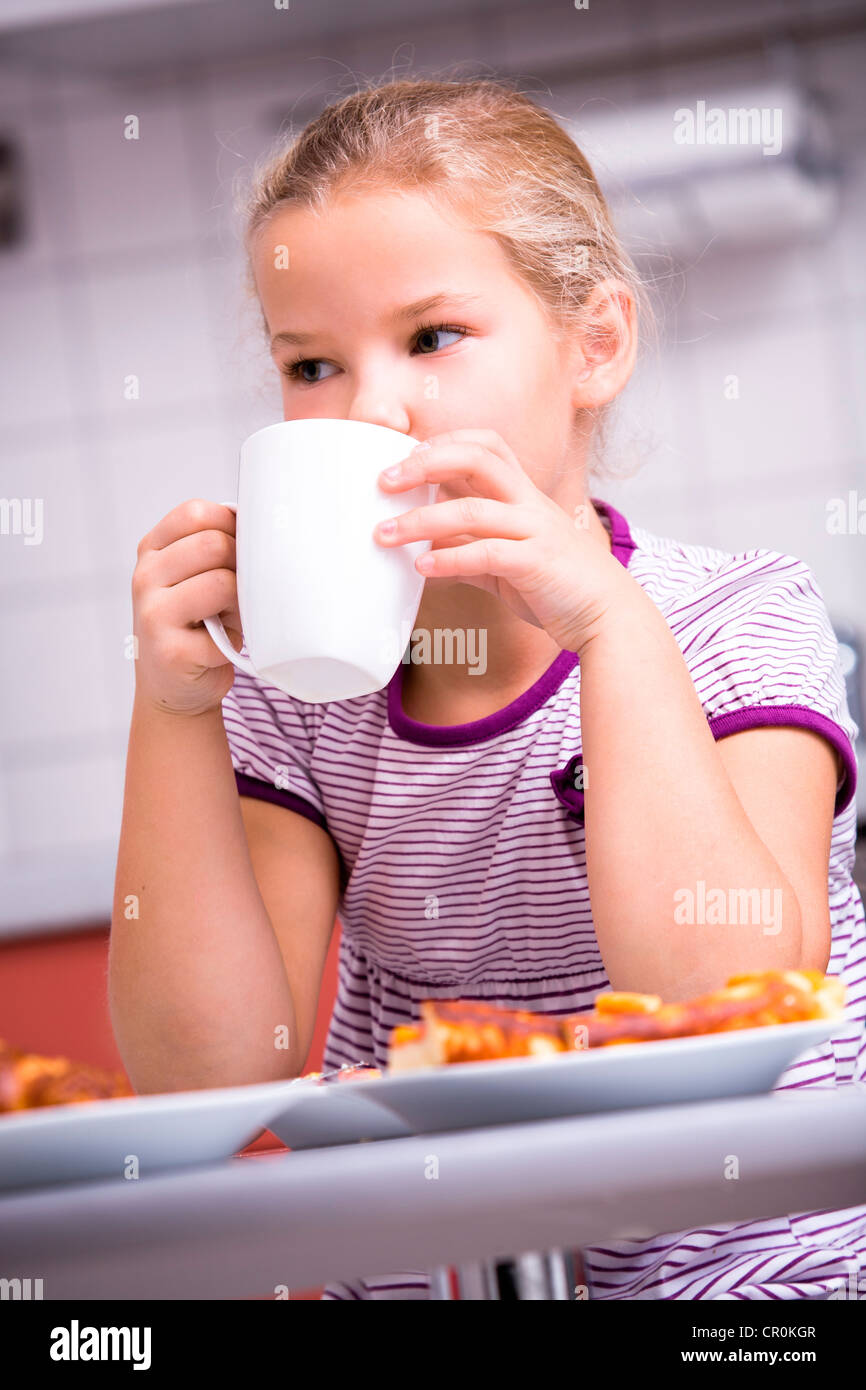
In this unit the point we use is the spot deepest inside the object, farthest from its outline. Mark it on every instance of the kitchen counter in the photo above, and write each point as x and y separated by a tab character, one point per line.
244	1226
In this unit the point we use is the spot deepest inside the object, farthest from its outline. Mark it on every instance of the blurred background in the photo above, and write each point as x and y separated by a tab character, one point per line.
120	259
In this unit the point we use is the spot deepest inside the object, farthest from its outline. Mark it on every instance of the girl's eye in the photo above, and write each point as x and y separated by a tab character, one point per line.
294	369
425	333
432	330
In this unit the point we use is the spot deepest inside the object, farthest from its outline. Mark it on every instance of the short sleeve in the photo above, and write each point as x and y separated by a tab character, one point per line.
761	650
271	745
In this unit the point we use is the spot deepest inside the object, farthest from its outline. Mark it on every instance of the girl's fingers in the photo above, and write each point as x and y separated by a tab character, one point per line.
203	650
505	559
471	462
488	438
189	555
197	514
187	604
476	516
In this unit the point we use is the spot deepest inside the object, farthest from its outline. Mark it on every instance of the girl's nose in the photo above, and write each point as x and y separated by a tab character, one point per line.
377	410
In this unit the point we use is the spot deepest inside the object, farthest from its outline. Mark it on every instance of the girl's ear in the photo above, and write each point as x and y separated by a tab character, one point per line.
607	344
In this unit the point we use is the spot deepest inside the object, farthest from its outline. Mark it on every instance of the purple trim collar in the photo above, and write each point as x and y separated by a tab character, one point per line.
623	547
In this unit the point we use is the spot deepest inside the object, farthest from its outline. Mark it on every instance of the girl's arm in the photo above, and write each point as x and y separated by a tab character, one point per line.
197	984
221	917
662	814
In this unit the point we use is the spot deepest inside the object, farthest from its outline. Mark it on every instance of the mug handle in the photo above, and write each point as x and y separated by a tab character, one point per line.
215	627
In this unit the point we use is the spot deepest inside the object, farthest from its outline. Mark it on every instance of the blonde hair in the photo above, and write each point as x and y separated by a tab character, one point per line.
491	154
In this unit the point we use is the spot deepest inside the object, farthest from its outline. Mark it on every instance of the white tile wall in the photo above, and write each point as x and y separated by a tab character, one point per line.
5	820
795	524
117	655
64	886
149	320
654	443
52	686
60	804
785	422
150	472
238	341
54	476
769	281
36	383
132	266
131	195
851	326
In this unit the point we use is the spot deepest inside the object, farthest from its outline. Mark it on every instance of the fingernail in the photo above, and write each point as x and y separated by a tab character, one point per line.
387	528
393	473
425	444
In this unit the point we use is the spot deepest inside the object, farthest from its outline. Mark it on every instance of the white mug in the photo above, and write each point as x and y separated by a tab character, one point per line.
325	610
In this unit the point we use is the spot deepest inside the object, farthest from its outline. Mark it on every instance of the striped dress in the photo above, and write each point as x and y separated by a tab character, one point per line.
463	870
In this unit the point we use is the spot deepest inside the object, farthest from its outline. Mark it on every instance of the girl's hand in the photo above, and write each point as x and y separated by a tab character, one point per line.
185	573
547	566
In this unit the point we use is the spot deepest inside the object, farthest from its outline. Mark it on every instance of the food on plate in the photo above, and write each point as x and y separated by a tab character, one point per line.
747	1001
457	1030
29	1081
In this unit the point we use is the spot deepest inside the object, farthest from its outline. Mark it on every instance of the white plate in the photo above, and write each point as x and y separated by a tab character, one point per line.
335	1113
95	1139
745	1061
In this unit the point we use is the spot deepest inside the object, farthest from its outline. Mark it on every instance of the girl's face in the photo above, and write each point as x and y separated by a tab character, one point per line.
357	335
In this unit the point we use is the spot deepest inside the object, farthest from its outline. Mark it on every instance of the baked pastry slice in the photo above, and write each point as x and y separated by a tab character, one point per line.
29	1080
451	1031
457	1030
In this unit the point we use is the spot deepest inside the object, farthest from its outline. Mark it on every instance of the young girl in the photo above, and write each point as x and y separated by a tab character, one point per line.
653	718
